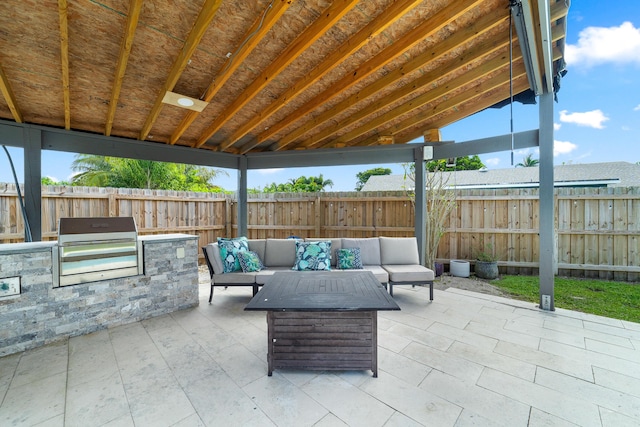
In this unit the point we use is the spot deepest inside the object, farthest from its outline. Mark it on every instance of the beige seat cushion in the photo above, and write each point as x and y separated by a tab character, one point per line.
263	275
380	273
237	277
409	273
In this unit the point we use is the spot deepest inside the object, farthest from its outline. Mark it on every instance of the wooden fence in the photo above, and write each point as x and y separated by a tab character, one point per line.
597	228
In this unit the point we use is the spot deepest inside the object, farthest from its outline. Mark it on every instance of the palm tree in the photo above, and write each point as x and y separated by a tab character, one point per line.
103	171
528	161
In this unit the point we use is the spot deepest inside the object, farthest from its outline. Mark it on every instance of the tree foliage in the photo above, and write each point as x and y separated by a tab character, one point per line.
364	176
466	163
302	184
528	161
45	180
103	171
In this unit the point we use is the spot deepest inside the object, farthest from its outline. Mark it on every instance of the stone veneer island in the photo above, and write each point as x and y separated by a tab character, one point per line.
41	314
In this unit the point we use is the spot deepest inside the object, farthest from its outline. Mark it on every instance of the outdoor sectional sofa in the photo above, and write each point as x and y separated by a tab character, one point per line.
392	260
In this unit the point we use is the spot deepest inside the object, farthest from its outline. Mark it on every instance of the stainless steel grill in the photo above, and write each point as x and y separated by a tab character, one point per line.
92	249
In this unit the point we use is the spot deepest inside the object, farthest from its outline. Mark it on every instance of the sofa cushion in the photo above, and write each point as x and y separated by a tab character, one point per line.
213	253
380	273
279	253
399	251
249	261
313	256
258	246
369	249
236	278
229	249
409	273
264	275
349	259
336	245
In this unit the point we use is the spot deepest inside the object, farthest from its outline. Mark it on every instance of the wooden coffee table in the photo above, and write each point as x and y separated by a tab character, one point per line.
323	320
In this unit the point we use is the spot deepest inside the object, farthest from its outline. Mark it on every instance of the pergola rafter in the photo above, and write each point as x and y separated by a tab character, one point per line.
330	16
201	25
135	7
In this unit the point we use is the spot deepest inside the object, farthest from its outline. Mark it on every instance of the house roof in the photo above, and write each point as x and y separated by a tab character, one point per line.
267	75
612	174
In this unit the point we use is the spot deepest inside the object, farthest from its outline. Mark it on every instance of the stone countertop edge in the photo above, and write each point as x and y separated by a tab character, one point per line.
30	247
166	237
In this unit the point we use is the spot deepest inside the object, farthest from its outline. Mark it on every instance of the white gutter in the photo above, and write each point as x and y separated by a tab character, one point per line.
523	21
544	11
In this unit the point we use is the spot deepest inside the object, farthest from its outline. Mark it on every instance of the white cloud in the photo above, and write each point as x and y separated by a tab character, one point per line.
563	147
599	45
269	171
557	126
526	151
592	119
493	161
637	108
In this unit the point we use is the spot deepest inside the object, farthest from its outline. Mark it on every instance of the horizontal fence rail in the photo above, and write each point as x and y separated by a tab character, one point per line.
597	229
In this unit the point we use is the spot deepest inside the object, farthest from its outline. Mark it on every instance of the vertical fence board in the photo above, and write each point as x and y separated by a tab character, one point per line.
597	227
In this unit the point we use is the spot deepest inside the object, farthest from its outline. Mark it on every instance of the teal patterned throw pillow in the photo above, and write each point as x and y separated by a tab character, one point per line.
229	249
249	261
349	259
313	256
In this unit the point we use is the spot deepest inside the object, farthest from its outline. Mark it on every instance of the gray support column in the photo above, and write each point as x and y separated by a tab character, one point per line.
547	209
242	196
32	182
421	202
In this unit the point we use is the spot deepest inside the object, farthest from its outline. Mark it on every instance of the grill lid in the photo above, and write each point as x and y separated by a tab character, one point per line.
96	225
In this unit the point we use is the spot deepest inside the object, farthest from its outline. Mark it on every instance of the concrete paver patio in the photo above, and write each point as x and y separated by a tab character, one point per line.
465	359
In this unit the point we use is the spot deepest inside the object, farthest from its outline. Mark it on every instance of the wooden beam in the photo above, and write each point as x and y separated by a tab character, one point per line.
64	59
320	26
461	111
474	75
208	11
9	97
432	135
125	49
251	39
428	79
346	49
430	26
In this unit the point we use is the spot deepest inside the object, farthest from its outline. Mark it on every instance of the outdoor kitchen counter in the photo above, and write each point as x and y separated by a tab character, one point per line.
37	313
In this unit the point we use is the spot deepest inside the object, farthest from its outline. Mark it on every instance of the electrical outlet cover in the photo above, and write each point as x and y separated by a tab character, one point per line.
9	286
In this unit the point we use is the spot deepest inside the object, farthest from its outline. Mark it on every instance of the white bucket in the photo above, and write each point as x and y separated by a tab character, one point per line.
459	268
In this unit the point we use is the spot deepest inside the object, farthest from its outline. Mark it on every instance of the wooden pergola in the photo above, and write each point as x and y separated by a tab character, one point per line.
275	83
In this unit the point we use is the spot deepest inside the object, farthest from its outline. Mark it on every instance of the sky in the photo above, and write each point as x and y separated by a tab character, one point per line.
596	118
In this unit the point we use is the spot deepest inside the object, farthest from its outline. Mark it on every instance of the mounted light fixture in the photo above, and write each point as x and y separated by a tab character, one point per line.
523	21
183	101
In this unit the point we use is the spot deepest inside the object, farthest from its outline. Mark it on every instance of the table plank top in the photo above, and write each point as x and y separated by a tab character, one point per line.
322	291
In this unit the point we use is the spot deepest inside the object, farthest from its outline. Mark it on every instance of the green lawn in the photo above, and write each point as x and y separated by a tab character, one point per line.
619	300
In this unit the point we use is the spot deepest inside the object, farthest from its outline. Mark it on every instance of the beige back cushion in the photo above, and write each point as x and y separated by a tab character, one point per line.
399	251
280	253
369	249
213	252
258	246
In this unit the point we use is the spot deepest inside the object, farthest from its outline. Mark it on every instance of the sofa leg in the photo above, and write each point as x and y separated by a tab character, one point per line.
211	294
255	290
431	291
390	289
